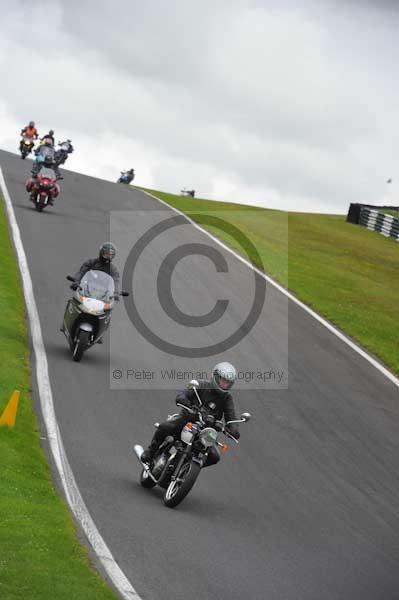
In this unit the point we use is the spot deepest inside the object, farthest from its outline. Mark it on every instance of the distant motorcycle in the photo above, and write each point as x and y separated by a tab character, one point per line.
185	192
26	146
42	190
61	155
88	313
178	462
125	177
44	157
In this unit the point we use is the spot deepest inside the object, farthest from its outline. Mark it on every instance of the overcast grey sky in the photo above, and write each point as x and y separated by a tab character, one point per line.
287	104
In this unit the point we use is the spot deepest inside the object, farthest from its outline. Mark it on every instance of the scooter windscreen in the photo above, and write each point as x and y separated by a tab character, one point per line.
98	285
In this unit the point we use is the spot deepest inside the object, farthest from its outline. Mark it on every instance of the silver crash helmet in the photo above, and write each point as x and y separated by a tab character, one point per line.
224	375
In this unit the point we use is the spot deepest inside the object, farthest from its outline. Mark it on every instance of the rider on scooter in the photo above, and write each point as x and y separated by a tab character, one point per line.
102	263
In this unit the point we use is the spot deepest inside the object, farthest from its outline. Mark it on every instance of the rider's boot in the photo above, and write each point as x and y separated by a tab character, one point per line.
149	453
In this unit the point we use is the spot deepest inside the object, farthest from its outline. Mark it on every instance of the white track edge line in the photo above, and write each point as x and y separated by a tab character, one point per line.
72	493
315	315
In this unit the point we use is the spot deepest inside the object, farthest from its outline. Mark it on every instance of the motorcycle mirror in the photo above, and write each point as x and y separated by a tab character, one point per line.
246	416
70	278
193	384
125	293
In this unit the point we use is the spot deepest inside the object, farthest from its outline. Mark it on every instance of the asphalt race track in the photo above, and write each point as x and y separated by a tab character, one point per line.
307	508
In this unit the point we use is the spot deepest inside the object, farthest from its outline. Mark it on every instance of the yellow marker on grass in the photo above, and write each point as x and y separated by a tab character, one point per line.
10	412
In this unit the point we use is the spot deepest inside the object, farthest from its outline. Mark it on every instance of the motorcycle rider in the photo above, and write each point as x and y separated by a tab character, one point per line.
68	143
30	131
33	187
61	154
102	263
216	400
37	166
68	146
48	136
129	175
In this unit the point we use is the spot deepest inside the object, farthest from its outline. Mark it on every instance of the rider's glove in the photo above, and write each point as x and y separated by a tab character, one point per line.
74	286
189	412
209	420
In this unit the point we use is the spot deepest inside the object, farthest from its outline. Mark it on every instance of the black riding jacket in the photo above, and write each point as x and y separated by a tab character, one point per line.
96	264
48	137
217	403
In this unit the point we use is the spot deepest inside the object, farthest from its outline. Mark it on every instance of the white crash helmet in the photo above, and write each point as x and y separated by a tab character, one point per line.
224	375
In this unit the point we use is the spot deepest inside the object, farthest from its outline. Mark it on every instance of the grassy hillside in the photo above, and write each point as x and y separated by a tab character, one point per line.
40	557
348	274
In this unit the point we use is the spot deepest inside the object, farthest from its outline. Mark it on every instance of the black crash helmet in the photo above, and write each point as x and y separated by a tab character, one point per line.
107	252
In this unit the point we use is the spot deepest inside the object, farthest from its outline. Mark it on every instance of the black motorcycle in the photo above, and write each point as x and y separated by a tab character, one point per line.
88	314
26	146
178	462
61	155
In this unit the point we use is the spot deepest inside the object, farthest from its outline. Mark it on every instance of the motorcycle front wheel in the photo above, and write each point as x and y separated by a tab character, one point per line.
179	488
80	345
39	204
146	480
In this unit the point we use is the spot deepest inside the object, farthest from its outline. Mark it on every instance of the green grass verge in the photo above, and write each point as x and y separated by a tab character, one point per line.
348	274
40	557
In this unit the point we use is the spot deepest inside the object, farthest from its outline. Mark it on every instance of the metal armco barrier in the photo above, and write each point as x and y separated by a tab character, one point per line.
376	221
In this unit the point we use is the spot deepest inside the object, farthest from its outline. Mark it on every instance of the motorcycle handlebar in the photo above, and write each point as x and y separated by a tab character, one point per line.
231	436
221	429
236	421
187	408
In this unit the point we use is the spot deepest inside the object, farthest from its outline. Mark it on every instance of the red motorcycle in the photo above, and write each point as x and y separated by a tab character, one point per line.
43	190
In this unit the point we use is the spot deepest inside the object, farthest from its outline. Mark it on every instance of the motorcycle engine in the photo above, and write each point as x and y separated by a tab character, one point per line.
159	465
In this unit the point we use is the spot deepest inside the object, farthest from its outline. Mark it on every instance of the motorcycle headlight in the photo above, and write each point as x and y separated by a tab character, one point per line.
208	437
92	306
187	433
